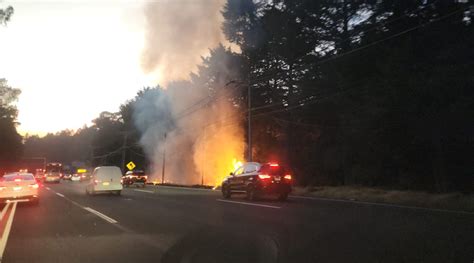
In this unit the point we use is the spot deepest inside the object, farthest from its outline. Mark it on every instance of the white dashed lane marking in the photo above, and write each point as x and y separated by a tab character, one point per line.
251	204
145	191
99	214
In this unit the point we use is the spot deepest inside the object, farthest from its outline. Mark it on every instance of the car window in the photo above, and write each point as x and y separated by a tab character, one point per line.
239	171
272	170
249	168
13	177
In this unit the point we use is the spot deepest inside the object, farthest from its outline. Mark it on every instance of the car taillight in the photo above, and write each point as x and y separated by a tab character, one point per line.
264	176
274	165
34	186
287	177
96	181
121	181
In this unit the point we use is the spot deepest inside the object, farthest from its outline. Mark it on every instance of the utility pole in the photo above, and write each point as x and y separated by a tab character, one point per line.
164	162
249	116
249	132
204	157
124	147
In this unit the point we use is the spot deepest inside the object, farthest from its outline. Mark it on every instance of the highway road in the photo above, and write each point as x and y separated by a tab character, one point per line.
165	224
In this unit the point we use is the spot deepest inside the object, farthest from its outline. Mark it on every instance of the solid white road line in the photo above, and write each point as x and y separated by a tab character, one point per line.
60	194
183	188
245	203
382	204
99	214
6	232
5	209
145	191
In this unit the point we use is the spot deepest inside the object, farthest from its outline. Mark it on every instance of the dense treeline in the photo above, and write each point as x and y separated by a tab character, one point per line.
385	89
10	142
376	93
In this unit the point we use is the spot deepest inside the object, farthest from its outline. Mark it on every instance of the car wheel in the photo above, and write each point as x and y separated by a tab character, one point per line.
251	195
226	192
282	197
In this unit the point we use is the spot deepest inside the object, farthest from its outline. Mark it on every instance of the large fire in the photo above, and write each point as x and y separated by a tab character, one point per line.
217	155
236	164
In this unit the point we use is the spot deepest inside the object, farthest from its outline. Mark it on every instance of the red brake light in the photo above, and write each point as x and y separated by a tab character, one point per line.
264	176
35	186
274	165
288	177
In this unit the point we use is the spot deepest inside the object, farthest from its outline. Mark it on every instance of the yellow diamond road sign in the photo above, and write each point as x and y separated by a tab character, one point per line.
130	166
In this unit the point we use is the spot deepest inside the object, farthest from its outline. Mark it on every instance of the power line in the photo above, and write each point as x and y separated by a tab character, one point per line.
330	58
337	56
310	99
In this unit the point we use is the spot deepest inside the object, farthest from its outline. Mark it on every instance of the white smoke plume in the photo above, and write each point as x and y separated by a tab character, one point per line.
200	144
178	34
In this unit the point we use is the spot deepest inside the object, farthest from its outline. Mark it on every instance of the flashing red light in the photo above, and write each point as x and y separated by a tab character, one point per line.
35	186
287	177
274	165
264	176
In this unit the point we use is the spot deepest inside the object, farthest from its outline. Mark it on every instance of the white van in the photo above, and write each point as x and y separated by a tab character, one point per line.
105	179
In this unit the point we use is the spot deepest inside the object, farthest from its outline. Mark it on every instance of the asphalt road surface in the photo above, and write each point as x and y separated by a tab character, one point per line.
164	224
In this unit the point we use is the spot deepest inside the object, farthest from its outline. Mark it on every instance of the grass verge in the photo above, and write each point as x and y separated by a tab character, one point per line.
449	201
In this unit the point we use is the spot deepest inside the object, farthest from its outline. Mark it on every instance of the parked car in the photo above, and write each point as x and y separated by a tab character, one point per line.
134	178
256	180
